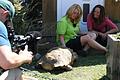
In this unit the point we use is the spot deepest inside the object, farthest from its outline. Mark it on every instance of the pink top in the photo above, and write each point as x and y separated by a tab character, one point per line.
107	24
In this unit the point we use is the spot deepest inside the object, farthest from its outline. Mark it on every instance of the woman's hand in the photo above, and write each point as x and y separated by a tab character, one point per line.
103	35
62	41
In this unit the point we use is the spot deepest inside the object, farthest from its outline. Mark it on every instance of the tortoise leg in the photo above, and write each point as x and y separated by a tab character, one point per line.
68	67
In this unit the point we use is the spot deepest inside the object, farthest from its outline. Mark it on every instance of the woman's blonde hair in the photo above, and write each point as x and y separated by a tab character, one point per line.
71	9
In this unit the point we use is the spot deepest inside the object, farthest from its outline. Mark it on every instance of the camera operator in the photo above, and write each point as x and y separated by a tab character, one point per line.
10	61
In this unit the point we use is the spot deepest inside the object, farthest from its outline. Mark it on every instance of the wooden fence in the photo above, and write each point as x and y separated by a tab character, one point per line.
112	9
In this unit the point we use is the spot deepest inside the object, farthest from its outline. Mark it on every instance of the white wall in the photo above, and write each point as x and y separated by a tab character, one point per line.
63	5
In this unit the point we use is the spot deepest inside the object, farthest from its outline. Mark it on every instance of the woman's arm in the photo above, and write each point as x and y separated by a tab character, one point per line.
112	26
112	31
62	40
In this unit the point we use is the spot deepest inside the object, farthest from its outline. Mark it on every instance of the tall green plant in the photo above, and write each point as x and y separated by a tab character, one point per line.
19	24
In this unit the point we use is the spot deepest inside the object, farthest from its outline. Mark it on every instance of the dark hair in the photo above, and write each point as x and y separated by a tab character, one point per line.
102	14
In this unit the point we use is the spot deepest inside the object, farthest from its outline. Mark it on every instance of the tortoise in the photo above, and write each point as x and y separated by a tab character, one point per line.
58	57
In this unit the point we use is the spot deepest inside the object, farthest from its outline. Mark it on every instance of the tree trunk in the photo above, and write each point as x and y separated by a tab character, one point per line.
41	16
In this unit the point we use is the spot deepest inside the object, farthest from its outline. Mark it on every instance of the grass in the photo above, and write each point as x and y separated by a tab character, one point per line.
92	67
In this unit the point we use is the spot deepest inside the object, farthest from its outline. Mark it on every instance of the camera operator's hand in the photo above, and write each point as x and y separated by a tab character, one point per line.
27	55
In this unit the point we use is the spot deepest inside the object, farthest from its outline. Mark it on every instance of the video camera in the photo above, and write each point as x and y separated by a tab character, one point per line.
18	42
29	39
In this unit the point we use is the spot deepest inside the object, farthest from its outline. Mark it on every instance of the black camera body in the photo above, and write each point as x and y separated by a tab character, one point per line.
21	41
18	42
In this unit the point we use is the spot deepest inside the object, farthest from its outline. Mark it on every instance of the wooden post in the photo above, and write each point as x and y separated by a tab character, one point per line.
113	58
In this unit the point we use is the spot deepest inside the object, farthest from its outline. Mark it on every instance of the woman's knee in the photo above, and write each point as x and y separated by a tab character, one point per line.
92	35
85	39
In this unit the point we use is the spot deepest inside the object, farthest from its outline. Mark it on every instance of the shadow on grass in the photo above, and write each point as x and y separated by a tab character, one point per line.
104	78
54	71
90	60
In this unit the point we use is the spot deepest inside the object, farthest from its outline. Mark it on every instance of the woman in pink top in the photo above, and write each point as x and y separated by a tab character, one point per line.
101	25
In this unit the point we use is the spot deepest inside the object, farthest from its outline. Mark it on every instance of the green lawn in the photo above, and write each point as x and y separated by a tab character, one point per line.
92	67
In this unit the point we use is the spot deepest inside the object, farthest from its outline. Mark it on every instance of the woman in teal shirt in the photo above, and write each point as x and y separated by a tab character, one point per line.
68	30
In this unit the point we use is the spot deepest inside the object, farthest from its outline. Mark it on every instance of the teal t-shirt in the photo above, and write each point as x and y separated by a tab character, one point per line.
3	35
65	27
